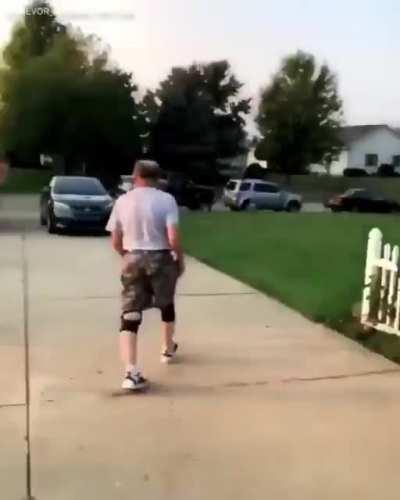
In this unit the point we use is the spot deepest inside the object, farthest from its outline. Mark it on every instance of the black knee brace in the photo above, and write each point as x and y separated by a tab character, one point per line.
131	321
168	313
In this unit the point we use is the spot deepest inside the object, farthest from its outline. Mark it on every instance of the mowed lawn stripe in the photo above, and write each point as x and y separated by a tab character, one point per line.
312	262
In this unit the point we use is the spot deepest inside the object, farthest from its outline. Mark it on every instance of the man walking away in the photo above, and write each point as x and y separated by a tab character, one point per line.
144	227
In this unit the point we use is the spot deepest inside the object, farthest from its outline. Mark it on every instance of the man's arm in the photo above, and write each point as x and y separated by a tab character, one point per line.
116	241
174	241
173	235
115	228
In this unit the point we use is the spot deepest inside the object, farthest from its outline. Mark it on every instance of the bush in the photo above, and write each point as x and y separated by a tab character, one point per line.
386	170
355	172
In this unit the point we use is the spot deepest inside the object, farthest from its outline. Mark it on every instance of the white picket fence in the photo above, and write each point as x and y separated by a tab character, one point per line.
381	297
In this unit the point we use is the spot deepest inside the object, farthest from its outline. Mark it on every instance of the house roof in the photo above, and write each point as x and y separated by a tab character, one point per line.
356	132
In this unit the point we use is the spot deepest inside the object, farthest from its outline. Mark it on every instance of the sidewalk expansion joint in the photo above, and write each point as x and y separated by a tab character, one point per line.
321	378
14	405
116	297
341	376
216	294
25	298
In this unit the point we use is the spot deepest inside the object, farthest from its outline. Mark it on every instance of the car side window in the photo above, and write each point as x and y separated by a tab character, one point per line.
376	197
366	196
265	188
357	194
245	186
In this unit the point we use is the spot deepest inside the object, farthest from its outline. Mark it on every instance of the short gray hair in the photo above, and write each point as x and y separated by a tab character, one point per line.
147	169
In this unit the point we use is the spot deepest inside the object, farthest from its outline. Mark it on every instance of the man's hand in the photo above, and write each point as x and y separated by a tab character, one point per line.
175	244
181	267
117	242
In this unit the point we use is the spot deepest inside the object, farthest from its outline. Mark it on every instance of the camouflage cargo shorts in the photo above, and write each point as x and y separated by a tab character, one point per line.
148	280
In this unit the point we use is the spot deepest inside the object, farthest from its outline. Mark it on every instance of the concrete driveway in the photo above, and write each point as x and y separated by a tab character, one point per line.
261	403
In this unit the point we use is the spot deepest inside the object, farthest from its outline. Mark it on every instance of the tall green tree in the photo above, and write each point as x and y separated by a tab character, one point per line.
69	101
299	116
195	117
33	35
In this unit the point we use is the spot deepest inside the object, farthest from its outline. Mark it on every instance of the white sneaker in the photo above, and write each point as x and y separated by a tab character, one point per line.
167	357
134	382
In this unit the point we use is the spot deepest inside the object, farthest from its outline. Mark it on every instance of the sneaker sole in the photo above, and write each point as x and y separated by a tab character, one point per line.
137	387
166	361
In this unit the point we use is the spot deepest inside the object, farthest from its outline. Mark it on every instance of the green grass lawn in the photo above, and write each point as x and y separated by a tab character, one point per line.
25	181
312	262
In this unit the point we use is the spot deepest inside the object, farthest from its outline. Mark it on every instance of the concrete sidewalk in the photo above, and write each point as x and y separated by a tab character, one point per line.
262	403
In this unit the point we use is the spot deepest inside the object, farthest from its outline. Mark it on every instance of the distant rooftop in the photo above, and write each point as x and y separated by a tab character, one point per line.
356	132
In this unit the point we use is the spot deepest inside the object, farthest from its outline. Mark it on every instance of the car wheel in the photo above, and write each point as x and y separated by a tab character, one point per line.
245	205
51	224
43	220
293	206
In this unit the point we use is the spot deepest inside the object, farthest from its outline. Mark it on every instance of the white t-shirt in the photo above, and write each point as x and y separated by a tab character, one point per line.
143	215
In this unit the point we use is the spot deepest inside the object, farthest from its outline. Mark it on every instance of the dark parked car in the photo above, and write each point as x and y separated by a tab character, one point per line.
74	203
362	200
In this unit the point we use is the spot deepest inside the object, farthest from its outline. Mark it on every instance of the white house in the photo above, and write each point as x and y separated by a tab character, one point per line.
366	147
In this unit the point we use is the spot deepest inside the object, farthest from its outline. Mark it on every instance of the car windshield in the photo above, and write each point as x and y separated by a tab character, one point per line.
354	192
231	186
86	187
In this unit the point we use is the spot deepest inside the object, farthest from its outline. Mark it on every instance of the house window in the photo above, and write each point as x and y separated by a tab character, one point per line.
396	161
371	160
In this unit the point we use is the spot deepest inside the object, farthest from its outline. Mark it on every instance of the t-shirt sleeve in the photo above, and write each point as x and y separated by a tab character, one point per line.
114	221
172	216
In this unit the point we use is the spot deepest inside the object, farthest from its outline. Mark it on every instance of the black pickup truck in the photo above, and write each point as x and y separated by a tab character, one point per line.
186	192
190	194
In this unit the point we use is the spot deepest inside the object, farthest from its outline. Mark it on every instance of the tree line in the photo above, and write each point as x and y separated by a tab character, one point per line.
61	95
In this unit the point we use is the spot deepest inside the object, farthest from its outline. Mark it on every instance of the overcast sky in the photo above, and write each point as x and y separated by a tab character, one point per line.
360	40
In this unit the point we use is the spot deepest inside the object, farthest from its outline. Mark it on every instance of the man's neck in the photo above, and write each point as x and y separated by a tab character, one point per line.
144	185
